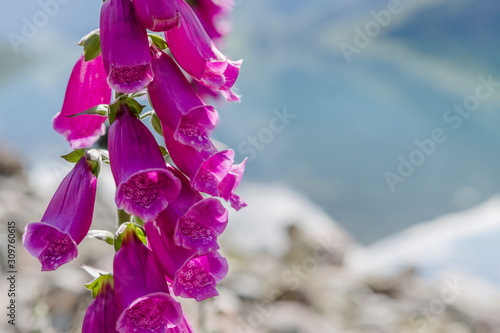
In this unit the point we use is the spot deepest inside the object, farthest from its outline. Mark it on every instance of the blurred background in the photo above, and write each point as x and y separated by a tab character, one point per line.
374	122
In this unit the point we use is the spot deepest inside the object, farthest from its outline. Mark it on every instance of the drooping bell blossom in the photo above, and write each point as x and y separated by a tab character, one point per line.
144	184
157	15
103	312
87	87
66	221
213	15
141	289
195	52
178	106
212	173
124	47
192	275
197	221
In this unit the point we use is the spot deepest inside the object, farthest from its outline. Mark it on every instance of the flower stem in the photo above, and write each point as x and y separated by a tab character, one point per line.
123	217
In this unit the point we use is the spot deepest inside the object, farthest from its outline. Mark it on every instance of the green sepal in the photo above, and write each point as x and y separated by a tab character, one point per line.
82	41
164	151
74	156
103	235
156	123
92	46
100	110
158	41
94	159
134	106
99	283
113	108
124	230
141	234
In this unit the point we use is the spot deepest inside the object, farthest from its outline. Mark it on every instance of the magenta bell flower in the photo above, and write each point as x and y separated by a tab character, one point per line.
102	314
66	221
124	47
157	15
144	184
197	222
87	87
213	16
178	106
212	173
192	275
141	289
195	52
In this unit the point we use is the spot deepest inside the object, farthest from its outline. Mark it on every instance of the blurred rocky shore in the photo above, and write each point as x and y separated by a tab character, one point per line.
288	273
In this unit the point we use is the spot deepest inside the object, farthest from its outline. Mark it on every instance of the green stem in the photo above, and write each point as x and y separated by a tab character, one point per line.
123	217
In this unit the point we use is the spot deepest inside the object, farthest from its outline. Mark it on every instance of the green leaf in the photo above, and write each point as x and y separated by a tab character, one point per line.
103	235
147	114
92	47
100	110
156	123
99	283
74	156
138	94
158	41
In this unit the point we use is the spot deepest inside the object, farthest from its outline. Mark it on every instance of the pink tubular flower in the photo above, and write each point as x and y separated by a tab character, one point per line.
192	275
87	87
144	184
195	52
178	106
197	222
66	221
102	314
213	15
124	47
157	15
141	289
212	173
